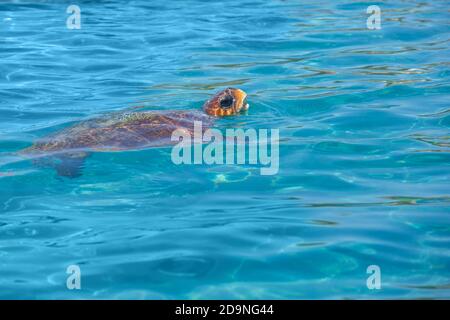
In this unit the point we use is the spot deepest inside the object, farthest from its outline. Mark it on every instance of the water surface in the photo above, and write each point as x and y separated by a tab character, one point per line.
364	173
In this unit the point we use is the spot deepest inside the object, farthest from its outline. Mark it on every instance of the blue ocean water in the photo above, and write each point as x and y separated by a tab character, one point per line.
364	172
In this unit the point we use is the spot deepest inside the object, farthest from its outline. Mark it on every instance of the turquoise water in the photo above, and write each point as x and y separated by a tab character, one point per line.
364	173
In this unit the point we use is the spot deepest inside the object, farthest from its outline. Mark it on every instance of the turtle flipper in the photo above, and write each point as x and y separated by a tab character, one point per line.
70	165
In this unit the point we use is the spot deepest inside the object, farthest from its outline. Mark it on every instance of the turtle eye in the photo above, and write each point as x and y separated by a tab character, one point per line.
227	102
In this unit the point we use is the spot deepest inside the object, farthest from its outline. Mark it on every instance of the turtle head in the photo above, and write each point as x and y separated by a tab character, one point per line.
227	102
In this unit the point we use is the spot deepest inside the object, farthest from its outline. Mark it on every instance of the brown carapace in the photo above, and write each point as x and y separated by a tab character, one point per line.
66	150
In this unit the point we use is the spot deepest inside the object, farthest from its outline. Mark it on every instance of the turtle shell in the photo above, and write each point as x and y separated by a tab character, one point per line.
125	131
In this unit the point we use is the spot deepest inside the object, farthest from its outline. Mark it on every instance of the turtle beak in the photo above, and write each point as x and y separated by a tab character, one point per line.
241	99
245	105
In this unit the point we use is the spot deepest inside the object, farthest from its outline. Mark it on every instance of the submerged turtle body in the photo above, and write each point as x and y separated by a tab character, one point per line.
66	150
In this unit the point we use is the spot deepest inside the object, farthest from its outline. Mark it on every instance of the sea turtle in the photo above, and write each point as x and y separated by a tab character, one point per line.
66	150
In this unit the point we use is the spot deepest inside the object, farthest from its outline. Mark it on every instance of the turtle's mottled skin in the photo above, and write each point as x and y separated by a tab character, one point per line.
66	150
